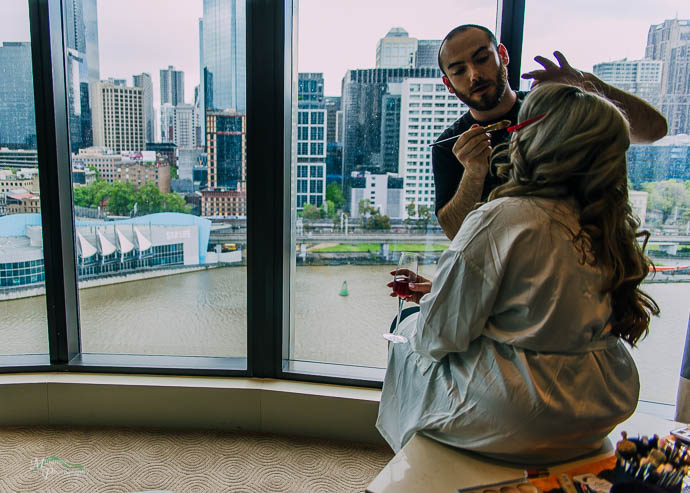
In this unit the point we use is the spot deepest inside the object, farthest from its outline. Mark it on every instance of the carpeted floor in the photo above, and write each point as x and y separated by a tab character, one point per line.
53	459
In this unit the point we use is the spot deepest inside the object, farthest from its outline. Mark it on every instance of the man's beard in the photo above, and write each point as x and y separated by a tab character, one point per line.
487	101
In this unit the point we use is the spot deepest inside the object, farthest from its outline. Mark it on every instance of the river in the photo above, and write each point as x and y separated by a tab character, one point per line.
204	313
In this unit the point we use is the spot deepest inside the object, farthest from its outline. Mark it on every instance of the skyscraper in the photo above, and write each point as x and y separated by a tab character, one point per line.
90	11
143	80
639	77
419	126
363	111
670	43
177	125
311	141
396	50
118	117
427	53
78	100
226	149
17	116
172	86
223	55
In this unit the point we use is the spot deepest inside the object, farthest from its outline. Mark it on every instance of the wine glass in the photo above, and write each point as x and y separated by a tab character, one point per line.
403	276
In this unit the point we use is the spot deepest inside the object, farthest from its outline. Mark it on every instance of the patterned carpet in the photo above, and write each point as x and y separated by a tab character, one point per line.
53	459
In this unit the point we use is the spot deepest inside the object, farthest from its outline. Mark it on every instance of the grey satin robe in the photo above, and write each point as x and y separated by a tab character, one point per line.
510	354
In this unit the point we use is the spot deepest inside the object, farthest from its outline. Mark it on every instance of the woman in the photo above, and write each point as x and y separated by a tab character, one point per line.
518	350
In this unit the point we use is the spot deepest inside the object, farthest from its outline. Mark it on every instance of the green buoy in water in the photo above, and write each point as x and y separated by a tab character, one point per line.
343	289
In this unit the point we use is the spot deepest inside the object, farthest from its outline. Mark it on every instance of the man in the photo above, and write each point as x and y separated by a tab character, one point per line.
474	66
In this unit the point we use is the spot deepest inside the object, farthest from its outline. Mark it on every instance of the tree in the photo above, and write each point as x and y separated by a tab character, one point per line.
378	222
335	195
121	198
149	199
310	211
174	202
666	197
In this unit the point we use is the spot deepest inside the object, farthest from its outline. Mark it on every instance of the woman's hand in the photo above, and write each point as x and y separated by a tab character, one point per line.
418	288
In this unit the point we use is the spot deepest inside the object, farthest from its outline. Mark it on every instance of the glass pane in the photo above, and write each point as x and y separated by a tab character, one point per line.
642	48
23	323
363	189
157	126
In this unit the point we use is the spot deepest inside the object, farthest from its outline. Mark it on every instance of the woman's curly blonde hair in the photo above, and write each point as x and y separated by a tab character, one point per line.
577	151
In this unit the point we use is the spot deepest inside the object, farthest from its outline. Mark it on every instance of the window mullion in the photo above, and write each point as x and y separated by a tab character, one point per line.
510	24
48	62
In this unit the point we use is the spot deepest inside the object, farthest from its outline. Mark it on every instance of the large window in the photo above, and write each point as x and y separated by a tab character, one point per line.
23	324
158	156
641	48
377	198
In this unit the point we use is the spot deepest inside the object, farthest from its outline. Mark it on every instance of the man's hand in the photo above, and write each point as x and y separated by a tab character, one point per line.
562	72
418	288
473	149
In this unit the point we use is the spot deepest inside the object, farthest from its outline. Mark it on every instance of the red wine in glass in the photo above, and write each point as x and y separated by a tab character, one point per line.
401	286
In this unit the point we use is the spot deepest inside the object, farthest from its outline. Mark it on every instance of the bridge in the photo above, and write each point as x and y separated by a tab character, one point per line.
220	236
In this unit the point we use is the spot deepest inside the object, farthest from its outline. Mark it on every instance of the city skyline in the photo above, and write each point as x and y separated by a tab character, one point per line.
121	38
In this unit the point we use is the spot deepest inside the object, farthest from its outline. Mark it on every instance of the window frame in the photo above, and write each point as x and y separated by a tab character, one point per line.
272	83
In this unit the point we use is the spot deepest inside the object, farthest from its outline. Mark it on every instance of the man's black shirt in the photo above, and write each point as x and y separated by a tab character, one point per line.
448	171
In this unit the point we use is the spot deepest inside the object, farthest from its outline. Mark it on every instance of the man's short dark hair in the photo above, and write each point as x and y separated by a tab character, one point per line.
460	29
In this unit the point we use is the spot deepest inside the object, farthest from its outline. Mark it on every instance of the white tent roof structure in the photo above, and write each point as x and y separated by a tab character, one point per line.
87	249
106	247
144	243
126	246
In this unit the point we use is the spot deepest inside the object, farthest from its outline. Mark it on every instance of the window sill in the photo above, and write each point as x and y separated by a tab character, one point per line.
190	402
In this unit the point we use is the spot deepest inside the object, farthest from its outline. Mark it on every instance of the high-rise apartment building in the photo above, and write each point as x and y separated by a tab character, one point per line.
177	125
670	43
144	81
222	37
226	149
17	116
427	109
639	77
311	140
427	53
665	159
172	86
396	50
367	112
78	103
118	116
334	148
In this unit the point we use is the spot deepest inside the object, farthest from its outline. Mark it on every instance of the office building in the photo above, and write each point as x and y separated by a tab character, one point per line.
367	111
224	203
118	116
311	141
177	125
382	192
670	43
311	157
171	86
396	50
17	116
222	37
226	149
18	158
144	81
426	110
427	53
79	108
665	159
10	181
639	77
165	149
310	90
130	167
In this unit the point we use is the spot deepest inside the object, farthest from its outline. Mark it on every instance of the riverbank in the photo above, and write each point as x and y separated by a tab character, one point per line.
7	294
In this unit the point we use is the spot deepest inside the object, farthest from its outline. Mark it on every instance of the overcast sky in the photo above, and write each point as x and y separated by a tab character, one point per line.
334	35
